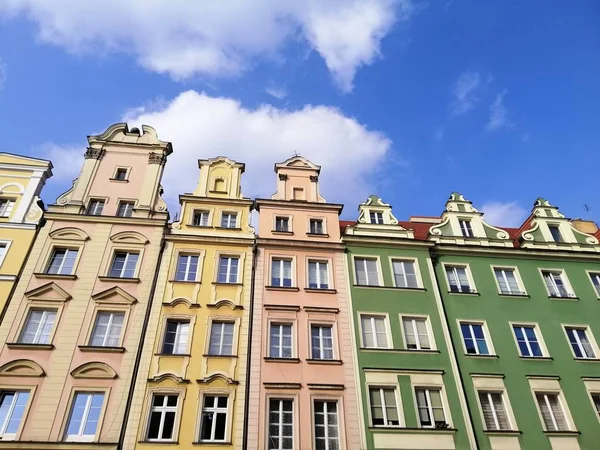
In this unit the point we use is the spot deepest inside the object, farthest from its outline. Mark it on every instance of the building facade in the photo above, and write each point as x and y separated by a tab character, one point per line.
192	381
70	337
21	181
302	380
411	395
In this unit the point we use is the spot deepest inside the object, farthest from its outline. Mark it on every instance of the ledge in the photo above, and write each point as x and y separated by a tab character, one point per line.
423	430
398	350
396	288
229	228
101	349
524	295
474	294
209	444
282	360
282	385
326	387
54	276
20	345
184	281
502	432
206	355
587	359
285	233
562	433
472	355
318	235
120	280
158	442
57	445
320	291
282	288
119	181
172	354
271	307
554	297
540	358
218	304
324	361
322	309
219	283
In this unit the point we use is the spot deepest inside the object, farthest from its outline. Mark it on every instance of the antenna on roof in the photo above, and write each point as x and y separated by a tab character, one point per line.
296	153
586	207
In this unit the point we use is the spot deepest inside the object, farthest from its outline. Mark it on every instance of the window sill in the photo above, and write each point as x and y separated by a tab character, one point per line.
184	281
172	354
285	233
119	279
560	297
119	181
206	355
335	362
474	294
320	290
282	360
199	226
587	359
282	288
101	349
390	429
159	442
229	228
219	443
221	283
472	355
562	433
54	276
506	294
540	358
502	432
21	346
318	235
397	288
396	350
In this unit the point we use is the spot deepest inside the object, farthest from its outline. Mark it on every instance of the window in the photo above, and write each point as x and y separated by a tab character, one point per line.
176	337
405	275
281	272
95	207
374	333
366	271
318	275
596	400
200	218
580	343
316	226
38	326
121	174
555	284
125	209
458	279
107	329
465	228
6	206
376	217
280	340
527	340
3	250
494	412
162	417
298	194
214	418
555	232
281	424
474	338
430	408
12	408
282	224
228	269
84	417
229	220
595	277
326	425
123	265
552	412
384	412
62	261
416	336
187	268
219	185
221	338
507	281
321	341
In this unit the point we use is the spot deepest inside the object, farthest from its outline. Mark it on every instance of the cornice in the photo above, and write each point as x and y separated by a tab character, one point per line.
107	219
297	204
520	253
18	225
379	241
192	238
190	198
269	242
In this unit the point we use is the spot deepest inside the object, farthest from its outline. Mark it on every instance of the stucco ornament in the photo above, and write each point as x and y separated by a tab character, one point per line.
436	230
528	234
376	203
34	214
64	198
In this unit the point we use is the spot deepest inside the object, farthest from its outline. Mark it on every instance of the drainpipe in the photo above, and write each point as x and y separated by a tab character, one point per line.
138	356
249	351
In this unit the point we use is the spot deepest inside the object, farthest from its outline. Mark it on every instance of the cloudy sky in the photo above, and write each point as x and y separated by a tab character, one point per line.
406	99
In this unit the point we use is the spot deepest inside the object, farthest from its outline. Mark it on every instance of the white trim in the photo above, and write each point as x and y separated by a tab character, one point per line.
486	335
418	277
378	266
471	289
6	245
570	293
594	273
428	328
388	332
538	334
397	398
590	336
517	276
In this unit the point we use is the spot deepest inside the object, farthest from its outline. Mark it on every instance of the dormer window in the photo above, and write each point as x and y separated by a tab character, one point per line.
298	194
282	224
6	206
376	217
219	185
465	227
555	232
121	174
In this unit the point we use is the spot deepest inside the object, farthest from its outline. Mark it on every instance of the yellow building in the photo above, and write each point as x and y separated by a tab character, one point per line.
191	383
21	180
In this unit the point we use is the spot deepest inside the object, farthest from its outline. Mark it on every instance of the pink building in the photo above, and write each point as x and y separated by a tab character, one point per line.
302	391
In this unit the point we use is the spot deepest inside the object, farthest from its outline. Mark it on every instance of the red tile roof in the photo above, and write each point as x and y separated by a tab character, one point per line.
421	229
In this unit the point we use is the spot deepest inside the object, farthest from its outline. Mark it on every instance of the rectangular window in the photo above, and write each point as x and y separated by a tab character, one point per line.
374	333
552	412
281	424
176	337
494	412
62	261
228	269
430	408
596	400
556	284
321	341
465	228
555	232
38	326
84	417
405	274
3	250
121	174
12	408
125	209
318	275
527	340
282	224
95	207
107	329
376	217
6	206
229	220
474	338
281	272
580	343
416	336
366	272
384	412
187	268
316	226
280	340
123	265
163	413
595	277
507	281
214	418
458	279
200	218
326	421
221	338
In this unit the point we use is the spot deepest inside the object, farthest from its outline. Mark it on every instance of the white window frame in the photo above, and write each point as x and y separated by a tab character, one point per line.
163	410
556	226
62	262
187	266
221	336
230	214
4	436
178	348
4	244
486	334
280	348
505	405
120	169
415	263
591	274
215	410
380	388
229	274
319	283
281	260
201	212
570	293
280	423
412	318
317	219
377	215
538	335
472	289
321	347
595	407
128	254
427	389
94	211
128	207
590	336
386	322
84	437
338	438
6	210
467	230
108	327
41	325
377	265
518	279
561	404
288	222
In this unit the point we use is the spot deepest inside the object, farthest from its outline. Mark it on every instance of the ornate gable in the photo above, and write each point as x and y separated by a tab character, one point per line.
375	218
48	292
463	224
298	179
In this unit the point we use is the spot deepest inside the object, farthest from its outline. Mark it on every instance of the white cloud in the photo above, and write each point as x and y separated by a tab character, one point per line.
279	92
504	214
498	114
66	159
464	93
185	38
200	126
3	72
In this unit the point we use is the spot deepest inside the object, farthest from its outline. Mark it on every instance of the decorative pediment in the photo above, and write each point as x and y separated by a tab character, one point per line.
224	302
114	296
129	237
159	378
180	301
375	218
298	162
215	377
12	188
95	370
22	368
69	234
121	133
48	292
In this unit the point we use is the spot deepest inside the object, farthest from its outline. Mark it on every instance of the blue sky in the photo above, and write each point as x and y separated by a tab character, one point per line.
410	100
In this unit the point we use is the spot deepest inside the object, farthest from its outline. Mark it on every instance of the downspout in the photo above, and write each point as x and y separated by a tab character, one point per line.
249	351
138	356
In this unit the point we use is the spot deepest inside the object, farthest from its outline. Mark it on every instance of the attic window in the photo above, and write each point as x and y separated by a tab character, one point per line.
219	185
6	206
465	228
121	174
376	217
555	232
298	194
